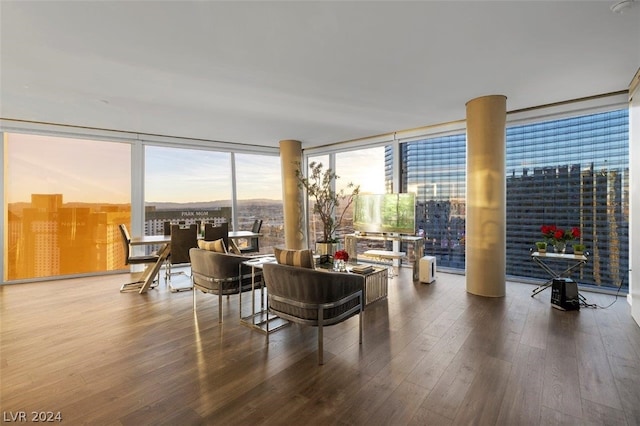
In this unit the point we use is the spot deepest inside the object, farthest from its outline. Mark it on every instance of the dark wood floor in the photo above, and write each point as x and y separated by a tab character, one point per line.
432	354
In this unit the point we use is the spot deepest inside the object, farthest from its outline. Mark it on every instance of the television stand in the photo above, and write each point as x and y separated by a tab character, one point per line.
351	245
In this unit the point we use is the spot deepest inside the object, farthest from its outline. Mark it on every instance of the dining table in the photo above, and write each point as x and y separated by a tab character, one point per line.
145	279
237	235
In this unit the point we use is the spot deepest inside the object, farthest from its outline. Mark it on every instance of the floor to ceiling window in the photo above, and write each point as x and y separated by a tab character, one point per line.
363	168
64	200
570	172
66	196
366	168
434	169
186	185
315	225
259	197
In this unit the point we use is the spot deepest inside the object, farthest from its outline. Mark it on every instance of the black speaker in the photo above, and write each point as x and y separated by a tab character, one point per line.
564	294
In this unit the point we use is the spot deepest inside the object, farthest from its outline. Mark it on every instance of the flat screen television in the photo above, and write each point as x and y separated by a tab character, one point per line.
385	213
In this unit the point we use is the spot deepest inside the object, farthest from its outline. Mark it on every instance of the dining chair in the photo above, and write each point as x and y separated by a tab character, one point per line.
215	232
253	246
183	238
130	259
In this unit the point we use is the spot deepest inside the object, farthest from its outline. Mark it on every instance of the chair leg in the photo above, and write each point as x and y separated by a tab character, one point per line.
194	297
320	338
219	305
132	286
360	318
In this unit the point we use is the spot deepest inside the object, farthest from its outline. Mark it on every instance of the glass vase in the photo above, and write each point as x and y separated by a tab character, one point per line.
560	247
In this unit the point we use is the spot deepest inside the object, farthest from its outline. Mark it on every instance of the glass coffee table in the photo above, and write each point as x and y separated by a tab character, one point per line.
260	318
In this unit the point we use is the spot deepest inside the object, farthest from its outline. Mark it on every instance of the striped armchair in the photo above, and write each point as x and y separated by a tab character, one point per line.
313	297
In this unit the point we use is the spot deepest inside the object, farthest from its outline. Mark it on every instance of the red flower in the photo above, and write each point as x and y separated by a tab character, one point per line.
548	230
341	255
555	234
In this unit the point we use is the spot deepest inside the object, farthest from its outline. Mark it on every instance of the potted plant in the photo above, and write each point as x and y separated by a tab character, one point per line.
326	201
542	246
558	237
578	249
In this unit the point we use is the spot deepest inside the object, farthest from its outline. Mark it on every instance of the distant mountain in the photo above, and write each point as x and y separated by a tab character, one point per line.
164	205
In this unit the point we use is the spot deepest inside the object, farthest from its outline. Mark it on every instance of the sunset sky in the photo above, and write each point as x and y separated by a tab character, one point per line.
99	172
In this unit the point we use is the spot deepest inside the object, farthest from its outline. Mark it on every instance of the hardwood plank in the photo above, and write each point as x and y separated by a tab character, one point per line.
598	414
401	405
425	417
523	395
484	398
448	393
561	376
597	383
435	362
627	378
534	332
551	417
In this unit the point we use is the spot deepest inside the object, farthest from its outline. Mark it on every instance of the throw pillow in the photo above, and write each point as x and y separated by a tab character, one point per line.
301	258
217	245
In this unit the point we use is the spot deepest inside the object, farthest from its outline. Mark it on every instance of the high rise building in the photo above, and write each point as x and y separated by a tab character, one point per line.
571	172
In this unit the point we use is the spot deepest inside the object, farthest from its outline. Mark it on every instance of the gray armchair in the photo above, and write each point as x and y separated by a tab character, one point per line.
313	297
221	274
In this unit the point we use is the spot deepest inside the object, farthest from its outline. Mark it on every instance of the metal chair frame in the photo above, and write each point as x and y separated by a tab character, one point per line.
129	259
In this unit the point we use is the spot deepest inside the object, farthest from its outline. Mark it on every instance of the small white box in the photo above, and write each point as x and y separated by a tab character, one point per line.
427	269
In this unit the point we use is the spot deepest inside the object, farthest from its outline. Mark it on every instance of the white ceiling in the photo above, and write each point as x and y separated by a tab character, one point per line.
319	72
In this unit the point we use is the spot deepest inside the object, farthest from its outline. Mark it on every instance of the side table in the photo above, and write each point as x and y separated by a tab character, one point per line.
376	282
543	260
260	319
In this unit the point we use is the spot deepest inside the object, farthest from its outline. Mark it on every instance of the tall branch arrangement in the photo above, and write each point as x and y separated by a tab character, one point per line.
319	187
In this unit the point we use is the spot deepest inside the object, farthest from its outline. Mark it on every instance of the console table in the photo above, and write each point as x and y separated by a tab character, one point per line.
573	261
351	245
